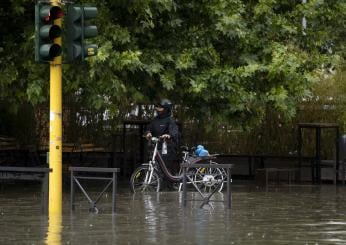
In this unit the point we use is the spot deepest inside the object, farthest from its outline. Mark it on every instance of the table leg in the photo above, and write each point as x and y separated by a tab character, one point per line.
44	193
72	191
229	192
184	188
114	192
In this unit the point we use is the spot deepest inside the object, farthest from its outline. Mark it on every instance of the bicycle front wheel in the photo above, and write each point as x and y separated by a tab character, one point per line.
138	183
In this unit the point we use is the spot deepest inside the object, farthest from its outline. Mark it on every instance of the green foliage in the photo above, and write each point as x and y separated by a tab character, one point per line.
329	97
222	59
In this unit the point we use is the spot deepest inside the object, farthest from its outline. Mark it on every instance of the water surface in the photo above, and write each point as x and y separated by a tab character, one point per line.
296	215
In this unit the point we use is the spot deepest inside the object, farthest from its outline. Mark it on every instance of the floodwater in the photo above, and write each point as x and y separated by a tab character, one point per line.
295	215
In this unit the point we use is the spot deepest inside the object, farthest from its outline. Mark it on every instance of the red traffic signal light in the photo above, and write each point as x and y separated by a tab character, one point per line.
50	13
46	31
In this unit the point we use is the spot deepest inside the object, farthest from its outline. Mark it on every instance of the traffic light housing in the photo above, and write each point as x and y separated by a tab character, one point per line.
46	32
78	31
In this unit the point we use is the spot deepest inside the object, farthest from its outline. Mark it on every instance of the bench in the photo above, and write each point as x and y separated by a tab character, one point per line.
14	154
8	143
86	155
91	155
8	150
337	169
255	161
32	174
263	175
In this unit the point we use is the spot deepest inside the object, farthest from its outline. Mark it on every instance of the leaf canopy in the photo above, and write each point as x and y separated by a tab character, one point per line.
221	59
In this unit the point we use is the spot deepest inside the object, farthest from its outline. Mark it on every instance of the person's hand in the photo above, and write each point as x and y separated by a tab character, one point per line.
148	136
165	136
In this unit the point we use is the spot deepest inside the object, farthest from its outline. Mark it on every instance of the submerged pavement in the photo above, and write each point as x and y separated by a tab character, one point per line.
295	215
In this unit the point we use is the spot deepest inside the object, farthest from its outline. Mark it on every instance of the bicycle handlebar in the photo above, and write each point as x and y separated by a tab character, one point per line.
186	149
155	139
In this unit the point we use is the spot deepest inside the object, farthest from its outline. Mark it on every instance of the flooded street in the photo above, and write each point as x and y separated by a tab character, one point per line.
295	215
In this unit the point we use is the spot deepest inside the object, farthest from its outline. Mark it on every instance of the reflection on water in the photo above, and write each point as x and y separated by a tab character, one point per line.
54	230
299	215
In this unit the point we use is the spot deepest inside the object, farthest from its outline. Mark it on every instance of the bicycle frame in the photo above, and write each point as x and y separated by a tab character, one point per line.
157	163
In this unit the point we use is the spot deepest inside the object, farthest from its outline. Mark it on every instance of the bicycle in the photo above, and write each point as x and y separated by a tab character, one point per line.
148	176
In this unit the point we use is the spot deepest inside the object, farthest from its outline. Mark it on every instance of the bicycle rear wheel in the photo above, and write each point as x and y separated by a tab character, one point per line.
223	171
137	181
208	179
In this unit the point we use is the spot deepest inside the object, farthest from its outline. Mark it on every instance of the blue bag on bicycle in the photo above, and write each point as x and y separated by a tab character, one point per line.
201	151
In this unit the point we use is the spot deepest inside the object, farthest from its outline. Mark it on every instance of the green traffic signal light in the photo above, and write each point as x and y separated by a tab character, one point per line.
78	31
46	32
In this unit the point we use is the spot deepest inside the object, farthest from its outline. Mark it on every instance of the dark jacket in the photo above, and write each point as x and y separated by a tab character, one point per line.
165	125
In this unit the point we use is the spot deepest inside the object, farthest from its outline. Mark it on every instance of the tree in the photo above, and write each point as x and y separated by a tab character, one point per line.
225	60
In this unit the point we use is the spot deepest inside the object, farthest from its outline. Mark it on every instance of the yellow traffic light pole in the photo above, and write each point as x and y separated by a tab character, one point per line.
55	129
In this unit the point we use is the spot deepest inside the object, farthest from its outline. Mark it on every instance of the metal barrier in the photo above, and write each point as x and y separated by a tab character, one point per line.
206	198
35	174
111	181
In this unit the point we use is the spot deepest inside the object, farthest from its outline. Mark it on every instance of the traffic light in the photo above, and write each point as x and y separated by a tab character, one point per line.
78	30
46	32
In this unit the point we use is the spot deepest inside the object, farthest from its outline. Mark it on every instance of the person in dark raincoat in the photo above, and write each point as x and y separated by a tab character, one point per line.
164	126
